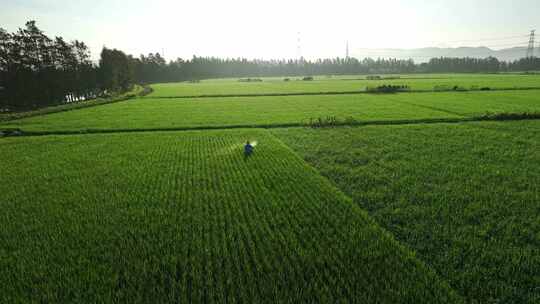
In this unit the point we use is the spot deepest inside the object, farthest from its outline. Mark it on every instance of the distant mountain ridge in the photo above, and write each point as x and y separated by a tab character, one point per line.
424	54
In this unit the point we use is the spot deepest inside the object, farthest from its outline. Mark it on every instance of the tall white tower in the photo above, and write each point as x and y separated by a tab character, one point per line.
530	48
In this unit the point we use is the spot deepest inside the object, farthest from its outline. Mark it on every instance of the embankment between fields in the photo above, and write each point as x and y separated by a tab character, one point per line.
486	117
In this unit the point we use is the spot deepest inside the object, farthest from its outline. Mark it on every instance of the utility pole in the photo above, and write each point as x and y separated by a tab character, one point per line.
530	48
347	50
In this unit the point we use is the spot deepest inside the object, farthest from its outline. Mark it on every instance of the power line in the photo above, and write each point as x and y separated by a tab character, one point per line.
488	39
382	50
520	44
512	40
499	42
506	45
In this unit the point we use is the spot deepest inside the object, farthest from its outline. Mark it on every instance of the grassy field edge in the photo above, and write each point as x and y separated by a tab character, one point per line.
486	117
137	91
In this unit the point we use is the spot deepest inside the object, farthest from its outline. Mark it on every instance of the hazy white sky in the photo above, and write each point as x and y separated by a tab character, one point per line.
269	28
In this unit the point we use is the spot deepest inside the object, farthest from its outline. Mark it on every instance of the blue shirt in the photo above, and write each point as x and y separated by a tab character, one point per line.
248	149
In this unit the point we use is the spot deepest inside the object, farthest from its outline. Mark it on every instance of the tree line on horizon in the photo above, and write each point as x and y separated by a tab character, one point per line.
38	71
154	68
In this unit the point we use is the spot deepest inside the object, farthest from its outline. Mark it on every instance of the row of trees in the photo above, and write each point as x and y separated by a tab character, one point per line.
462	65
524	64
154	68
37	71
478	65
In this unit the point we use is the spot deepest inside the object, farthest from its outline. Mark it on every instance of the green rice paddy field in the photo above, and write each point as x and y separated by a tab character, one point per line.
397	212
353	83
465	197
184	217
147	113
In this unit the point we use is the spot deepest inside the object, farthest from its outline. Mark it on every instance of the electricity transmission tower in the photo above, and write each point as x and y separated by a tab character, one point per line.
530	48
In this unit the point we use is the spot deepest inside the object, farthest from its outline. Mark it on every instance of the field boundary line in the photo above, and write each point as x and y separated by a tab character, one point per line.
488	117
330	93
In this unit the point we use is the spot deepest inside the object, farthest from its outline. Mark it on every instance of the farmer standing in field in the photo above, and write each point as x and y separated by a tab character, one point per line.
248	149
